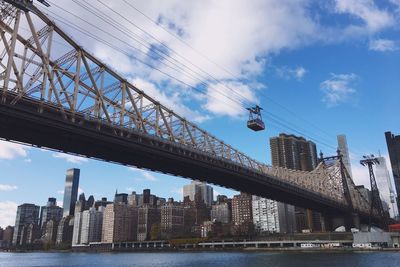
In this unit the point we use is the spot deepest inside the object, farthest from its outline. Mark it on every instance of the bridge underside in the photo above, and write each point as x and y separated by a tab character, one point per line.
48	129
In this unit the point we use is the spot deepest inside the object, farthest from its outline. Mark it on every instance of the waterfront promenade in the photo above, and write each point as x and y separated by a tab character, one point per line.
204	259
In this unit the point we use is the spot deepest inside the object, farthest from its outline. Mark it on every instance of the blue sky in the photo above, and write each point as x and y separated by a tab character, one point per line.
323	68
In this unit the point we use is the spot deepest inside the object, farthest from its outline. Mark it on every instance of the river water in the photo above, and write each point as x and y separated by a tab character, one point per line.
204	259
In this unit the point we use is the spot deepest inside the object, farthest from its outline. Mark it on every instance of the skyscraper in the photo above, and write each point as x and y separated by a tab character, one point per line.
49	231
172	222
29	233
296	153
272	216
393	144
221	212
92	222
385	187
26	214
344	150
146	198
7	236
50	212
70	191
293	152
195	213
65	230
146	218
201	188
119	223
242	209
133	199
79	208
121	198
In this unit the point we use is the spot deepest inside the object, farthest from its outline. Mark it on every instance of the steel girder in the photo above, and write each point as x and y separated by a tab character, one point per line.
78	84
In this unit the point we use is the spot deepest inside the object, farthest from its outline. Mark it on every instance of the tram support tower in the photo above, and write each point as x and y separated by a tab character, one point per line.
376	202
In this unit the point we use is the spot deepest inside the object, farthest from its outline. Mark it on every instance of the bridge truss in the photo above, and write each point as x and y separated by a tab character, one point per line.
69	82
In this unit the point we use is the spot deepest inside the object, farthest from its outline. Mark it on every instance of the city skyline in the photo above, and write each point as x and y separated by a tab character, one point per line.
330	85
134	216
143	179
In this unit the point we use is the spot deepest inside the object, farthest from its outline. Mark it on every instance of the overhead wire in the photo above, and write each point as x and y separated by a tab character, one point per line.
126	53
241	103
98	13
114	36
170	49
199	81
179	39
118	49
141	29
221	67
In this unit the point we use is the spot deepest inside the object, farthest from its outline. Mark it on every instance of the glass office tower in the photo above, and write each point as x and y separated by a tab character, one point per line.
26	214
344	150
393	144
70	191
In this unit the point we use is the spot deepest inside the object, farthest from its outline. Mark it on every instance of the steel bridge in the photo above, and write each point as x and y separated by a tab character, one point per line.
64	98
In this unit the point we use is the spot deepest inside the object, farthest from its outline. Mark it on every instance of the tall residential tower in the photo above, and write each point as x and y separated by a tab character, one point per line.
50	212
296	153
293	152
393	144
27	214
70	191
201	188
344	150
385	187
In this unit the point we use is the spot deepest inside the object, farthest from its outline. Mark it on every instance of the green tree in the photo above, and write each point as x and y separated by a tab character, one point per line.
155	231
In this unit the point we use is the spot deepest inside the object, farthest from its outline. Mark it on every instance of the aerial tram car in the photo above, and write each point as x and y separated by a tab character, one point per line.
255	121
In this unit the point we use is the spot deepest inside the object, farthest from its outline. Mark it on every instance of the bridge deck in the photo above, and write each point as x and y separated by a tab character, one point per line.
86	108
23	123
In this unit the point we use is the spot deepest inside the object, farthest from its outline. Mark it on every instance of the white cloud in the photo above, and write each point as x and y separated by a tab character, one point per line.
8	211
360	174
7	187
70	158
113	58
9	150
172	101
143	175
397	4
178	192
207	26
373	18
221	101
289	73
149	177
239	50
235	35
383	45
28	160
338	88
300	72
